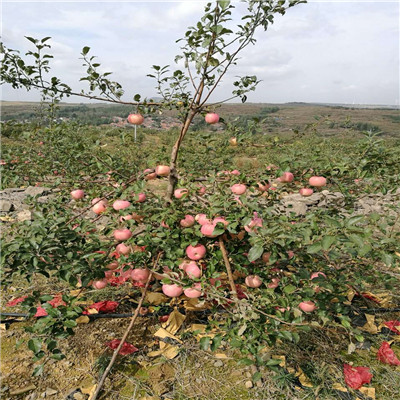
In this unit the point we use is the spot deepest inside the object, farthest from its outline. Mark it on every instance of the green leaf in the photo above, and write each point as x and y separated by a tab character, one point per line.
216	342
38	370
255	252
314	248
328	241
70	323
387	258
35	345
205	343
272	362
245	361
289	289
85	50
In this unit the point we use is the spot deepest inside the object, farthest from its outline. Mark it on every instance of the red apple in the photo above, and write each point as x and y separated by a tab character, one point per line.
306	192
150	176
286	177
77	194
265	257
274	283
180	193
317	181
317	275
135	119
123	218
212	118
122	248
121	204
162	170
238	188
194	291
193	271
187	222
173	290
307	306
140	274
262	187
196	252
253	281
202	219
101	284
99	208
113	265
235	172
141	198
122	234
220	220
207	230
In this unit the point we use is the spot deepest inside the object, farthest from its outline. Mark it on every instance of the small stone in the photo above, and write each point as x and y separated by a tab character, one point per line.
24	215
248	384
218	363
36	191
6	206
51	392
79	396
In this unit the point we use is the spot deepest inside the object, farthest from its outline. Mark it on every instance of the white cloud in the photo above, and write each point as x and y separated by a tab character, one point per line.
320	51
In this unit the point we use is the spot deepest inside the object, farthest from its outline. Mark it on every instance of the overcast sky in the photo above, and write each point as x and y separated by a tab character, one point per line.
326	51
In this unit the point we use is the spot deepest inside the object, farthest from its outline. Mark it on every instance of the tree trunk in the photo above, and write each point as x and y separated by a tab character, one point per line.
173	175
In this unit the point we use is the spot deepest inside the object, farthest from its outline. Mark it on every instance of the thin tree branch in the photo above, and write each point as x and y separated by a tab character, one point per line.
228	266
116	351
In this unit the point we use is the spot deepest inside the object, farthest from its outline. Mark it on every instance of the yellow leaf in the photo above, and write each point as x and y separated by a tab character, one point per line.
163	333
338	386
220	355
83	319
155	298
350	294
198	327
174	321
91	394
75	292
282	358
304	379
92	311
195	305
169	351
3	327
368	391
88	389
370	324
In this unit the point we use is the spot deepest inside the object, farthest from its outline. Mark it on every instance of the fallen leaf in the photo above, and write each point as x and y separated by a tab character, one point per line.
195	305
169	352
16	301
386	355
351	348
163	333
304	379
127	348
40	312
220	356
174	321
394	326
368	391
370	326
282	358
338	386
155	298
83	319
3	327
355	377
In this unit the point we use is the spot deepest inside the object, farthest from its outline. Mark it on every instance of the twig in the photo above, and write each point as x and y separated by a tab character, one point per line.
116	351
228	266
